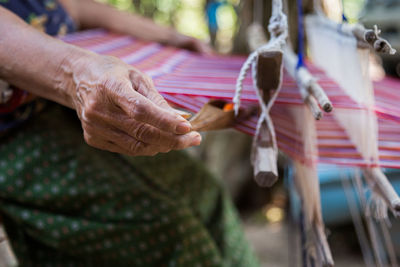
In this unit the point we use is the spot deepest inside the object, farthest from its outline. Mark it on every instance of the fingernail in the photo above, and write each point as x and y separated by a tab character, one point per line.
183	127
196	140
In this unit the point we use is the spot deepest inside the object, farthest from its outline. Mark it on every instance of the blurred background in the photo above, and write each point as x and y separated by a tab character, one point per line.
267	213
223	22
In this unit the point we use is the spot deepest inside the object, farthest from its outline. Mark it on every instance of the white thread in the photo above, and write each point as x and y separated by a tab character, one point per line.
278	29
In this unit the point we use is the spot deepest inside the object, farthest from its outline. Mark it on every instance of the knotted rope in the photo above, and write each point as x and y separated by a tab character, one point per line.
278	29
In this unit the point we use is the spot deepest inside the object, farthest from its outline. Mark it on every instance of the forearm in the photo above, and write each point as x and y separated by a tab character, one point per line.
90	14
119	108
35	62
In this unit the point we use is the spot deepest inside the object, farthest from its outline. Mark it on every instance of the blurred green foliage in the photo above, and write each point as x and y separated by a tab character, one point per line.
188	16
352	9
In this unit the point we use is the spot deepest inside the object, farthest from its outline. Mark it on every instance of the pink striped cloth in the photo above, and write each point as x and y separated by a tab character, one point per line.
189	80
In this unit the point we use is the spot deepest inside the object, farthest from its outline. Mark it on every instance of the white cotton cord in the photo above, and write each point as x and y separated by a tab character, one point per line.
239	82
278	28
256	134
278	25
259	123
265	108
264	155
251	60
271	128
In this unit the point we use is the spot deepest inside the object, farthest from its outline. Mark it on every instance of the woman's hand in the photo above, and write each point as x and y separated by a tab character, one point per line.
190	43
122	112
91	14
119	108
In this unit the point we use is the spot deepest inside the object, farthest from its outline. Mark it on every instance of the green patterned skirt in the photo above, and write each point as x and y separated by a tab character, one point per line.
64	203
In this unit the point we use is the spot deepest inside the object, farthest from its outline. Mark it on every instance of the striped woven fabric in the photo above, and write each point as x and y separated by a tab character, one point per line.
188	80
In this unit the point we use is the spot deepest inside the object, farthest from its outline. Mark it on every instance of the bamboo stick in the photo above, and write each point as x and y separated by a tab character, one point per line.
319	231
310	90
365	37
381	185
314	108
371	38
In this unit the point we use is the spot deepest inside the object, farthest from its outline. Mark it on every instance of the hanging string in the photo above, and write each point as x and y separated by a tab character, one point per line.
300	35
344	18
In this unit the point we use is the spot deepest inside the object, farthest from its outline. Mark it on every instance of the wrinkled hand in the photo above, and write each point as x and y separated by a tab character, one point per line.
121	111
190	43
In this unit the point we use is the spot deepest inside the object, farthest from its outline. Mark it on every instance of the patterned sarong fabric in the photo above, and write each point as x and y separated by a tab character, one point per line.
189	80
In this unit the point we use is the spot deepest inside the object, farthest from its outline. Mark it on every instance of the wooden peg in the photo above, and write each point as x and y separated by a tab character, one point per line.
264	153
269	73
264	158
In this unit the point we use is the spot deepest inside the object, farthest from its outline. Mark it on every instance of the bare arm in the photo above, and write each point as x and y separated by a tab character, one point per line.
90	14
118	106
31	60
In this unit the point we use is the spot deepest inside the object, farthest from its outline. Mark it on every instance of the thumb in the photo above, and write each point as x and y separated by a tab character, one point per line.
142	109
144	85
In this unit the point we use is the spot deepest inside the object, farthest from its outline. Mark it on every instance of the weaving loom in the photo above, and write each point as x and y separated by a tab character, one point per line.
189	81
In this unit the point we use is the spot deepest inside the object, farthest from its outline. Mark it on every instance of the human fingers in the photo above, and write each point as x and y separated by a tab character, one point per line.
140	108
126	133
137	148
100	143
143	84
201	47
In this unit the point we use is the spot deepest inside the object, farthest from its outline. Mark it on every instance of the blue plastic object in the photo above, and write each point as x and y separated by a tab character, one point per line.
335	210
211	10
